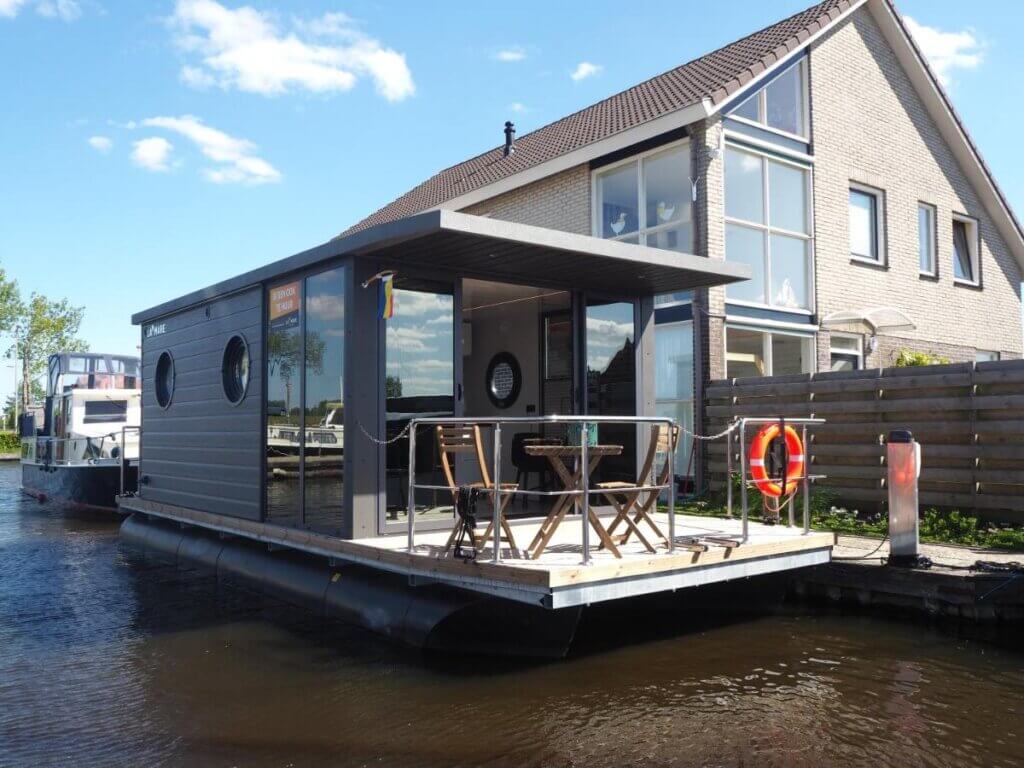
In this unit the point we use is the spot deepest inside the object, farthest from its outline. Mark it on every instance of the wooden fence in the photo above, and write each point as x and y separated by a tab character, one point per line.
969	419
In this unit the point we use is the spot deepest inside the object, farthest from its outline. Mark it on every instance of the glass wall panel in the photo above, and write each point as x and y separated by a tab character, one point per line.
744	184
419	381
784	102
746	246
788	197
619	201
284	402
611	383
789	272
673	382
323	464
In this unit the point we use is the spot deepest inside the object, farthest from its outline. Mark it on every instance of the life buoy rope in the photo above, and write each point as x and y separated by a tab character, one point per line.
794	467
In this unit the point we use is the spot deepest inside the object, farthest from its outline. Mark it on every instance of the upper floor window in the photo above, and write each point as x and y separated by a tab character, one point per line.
768	228
646	200
866	228
926	239
965	250
780	105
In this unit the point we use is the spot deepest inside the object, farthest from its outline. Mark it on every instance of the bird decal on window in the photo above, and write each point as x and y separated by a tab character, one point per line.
619	224
665	212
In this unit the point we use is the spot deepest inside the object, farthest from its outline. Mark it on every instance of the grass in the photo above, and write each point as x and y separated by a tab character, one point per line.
936	526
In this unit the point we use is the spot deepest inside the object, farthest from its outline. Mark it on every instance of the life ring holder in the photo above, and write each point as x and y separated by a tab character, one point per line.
795	462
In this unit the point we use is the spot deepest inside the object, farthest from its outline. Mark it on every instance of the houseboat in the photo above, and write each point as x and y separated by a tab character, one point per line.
456	353
87	447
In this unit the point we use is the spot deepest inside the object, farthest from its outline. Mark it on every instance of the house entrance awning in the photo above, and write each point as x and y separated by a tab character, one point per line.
875	318
477	246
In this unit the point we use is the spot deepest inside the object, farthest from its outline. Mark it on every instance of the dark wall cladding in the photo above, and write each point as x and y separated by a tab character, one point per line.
202	452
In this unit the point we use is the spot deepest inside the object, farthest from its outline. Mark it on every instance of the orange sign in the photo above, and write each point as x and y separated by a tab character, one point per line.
284	305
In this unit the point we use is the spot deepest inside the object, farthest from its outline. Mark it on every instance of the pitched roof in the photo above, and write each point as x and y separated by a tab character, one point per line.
712	78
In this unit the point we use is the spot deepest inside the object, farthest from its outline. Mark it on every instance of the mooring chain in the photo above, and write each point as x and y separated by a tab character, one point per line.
389	441
719	436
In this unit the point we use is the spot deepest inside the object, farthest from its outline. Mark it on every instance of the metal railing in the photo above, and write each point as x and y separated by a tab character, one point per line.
804	480
63	450
584	492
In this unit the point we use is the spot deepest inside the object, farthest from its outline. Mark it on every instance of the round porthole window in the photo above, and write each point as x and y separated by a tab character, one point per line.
163	382
235	369
504	379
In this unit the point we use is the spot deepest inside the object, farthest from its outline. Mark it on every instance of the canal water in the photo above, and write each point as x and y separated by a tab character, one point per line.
109	659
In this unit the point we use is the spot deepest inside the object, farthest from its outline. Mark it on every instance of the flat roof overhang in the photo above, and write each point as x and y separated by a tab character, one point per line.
486	248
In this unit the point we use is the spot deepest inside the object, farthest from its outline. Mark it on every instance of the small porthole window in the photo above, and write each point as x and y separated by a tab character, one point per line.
235	369
164	380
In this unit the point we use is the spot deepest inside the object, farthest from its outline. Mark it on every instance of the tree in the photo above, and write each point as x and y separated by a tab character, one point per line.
43	328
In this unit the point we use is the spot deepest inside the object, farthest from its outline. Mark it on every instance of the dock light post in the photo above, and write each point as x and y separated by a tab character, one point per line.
903	457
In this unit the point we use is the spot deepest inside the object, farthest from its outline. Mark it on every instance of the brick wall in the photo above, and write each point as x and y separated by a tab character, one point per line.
558	202
870	126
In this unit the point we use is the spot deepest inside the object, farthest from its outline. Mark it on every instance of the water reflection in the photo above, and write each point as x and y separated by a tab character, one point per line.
109	658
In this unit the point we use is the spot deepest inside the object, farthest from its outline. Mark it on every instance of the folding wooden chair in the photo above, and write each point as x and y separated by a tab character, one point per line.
454	439
628	503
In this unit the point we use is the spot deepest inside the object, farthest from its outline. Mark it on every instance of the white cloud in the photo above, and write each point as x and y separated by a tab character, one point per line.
246	49
946	51
235	160
101	143
515	53
9	8
584	70
152	153
65	10
517	107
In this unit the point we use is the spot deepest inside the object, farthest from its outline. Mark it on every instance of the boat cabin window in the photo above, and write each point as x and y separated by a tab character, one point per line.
105	411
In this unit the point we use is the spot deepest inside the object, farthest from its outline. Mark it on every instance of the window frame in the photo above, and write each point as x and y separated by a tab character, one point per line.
767	230
880	239
762	105
810	338
987	355
636	160
933	211
974	246
859	353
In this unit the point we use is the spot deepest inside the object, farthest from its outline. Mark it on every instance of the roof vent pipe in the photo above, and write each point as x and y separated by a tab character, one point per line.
510	138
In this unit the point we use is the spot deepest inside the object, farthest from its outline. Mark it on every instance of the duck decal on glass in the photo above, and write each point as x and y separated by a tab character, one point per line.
665	211
619	223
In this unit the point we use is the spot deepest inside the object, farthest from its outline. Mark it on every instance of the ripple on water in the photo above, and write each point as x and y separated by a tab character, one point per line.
110	659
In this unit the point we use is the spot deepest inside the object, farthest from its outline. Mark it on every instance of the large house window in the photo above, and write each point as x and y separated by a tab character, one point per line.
782	104
768	228
866	230
965	250
673	382
751	352
646	200
927	262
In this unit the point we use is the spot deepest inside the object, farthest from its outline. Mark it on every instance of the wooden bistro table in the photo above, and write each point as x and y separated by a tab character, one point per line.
571	481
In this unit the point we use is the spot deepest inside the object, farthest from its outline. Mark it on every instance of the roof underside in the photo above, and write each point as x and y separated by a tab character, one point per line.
711	78
475	246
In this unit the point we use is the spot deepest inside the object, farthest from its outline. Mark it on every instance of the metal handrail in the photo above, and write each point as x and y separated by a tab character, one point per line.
583	493
88	439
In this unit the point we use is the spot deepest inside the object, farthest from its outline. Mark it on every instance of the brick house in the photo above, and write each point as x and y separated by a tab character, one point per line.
820	151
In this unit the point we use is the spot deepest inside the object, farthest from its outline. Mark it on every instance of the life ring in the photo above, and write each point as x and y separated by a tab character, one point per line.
794	468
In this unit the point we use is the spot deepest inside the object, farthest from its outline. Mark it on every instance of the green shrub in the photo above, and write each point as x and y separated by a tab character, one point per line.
910	359
10	442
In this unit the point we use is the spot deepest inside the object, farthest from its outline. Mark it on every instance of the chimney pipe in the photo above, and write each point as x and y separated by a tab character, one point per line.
510	138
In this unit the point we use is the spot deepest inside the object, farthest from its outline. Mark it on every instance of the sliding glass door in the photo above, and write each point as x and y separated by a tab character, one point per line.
611	381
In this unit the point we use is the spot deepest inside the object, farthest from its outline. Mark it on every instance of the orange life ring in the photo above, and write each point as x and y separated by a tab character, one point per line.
794	468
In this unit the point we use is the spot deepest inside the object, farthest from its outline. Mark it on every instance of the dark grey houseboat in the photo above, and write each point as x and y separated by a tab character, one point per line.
277	408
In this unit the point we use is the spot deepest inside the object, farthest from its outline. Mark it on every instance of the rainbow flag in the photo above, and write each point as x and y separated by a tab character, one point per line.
387	298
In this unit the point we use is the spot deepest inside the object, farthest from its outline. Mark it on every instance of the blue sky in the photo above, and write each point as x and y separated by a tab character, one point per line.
151	148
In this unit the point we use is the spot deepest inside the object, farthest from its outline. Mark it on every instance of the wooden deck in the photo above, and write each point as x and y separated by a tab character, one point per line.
558	578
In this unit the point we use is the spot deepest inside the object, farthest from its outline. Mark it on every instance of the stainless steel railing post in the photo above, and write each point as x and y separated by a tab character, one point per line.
496	522
411	512
728	474
807	482
743	475
585	504
671	487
